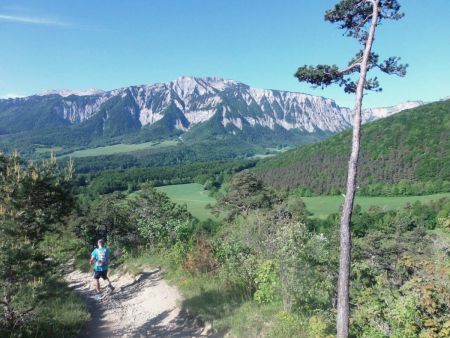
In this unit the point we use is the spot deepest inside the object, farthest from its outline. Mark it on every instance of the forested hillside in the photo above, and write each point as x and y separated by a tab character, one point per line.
407	153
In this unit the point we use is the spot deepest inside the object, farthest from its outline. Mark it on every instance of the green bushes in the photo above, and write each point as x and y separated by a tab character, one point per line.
267	283
400	275
60	313
274	257
401	294
412	216
308	266
145	219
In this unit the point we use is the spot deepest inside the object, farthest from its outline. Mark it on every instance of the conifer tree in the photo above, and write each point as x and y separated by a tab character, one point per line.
359	19
34	199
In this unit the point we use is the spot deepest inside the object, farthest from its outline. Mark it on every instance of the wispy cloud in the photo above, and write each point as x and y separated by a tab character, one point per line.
33	20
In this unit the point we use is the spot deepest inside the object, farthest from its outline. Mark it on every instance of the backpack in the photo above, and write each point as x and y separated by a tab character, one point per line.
102	257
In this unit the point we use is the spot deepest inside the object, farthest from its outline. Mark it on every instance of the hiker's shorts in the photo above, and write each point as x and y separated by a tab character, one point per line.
103	274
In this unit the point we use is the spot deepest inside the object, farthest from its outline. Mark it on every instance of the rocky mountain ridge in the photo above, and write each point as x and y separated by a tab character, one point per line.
187	103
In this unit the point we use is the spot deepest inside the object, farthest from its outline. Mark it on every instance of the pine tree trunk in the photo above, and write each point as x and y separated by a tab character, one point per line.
342	322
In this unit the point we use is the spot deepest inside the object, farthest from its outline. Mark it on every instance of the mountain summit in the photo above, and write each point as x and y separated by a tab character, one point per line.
189	107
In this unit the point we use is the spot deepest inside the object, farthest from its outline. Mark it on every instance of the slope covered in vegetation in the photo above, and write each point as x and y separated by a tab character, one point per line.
407	153
268	270
265	269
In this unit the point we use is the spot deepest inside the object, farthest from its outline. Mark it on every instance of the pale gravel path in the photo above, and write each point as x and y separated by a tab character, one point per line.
141	306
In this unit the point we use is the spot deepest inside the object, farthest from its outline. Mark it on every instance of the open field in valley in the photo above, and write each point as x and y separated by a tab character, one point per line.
196	199
194	196
121	148
322	206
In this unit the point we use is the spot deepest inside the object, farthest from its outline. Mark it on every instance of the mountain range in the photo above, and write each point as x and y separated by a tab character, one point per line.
190	108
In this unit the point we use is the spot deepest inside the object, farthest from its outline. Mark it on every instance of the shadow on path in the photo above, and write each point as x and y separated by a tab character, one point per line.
180	327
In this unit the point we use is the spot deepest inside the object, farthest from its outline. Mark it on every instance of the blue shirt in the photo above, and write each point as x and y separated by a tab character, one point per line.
101	259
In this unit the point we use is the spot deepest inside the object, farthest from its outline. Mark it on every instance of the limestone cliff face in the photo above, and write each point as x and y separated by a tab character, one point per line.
190	101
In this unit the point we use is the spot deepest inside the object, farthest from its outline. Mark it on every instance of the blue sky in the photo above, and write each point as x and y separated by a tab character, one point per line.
109	44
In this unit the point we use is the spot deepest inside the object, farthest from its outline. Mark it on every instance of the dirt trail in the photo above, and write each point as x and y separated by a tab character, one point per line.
141	306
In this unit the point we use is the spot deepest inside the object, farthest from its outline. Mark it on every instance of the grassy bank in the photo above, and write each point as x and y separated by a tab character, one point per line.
61	314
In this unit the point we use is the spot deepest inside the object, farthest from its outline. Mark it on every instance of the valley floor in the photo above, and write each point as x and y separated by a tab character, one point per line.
194	196
141	306
196	199
323	206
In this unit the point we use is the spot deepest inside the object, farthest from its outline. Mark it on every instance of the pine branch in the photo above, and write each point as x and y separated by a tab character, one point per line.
348	69
358	28
392	66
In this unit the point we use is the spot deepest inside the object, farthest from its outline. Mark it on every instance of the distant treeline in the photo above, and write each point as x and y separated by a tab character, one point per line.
404	154
167	156
211	173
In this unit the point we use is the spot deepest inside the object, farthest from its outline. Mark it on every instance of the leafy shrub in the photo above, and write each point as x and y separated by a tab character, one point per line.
307	268
319	327
201	258
238	262
267	282
288	324
158	219
399	285
443	216
178	253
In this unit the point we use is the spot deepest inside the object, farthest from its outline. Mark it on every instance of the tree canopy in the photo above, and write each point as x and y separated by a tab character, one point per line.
353	16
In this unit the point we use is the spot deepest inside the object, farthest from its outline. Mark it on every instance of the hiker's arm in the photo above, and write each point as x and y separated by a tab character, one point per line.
92	260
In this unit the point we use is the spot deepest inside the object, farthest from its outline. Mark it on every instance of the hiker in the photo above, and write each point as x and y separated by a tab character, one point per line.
100	257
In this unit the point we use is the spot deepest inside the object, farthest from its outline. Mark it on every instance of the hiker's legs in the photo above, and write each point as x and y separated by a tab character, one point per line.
97	275
97	285
106	278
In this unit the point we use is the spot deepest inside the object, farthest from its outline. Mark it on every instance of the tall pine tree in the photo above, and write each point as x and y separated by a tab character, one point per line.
34	199
359	19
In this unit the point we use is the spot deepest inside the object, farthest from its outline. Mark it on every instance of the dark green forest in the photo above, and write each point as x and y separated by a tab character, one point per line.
169	156
405	154
212	174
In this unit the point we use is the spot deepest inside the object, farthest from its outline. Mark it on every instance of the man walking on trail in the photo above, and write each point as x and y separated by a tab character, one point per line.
100	257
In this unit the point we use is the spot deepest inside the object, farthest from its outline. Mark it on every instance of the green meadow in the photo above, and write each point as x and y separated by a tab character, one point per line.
196	199
121	148
193	195
322	206
270	151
